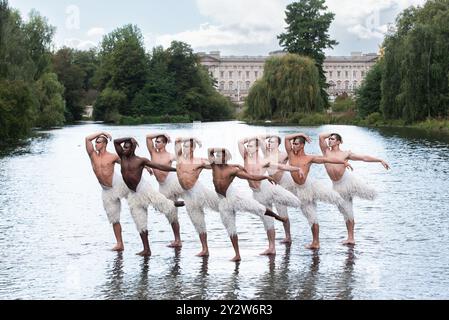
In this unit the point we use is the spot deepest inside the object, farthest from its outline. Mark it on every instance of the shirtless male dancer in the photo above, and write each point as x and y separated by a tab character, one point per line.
230	200
307	190
168	181
270	149
195	194
114	188
141	193
345	183
263	191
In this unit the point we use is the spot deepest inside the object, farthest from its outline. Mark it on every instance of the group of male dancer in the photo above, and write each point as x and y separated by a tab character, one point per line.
277	179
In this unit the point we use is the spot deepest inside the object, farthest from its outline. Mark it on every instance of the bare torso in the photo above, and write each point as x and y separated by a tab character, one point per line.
302	161
255	167
188	171
132	169
223	176
103	166
164	158
276	157
336	171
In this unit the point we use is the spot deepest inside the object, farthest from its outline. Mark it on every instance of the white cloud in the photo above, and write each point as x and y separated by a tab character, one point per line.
79	44
367	19
96	32
232	23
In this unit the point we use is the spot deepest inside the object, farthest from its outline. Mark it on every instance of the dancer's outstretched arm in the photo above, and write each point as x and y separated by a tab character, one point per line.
366	158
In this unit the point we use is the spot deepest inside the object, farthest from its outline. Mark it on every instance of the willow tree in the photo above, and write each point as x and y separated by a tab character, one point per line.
290	84
415	82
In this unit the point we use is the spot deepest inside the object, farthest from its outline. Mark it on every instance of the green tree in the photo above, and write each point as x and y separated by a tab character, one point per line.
307	34
108	104
51	102
72	76
415	79
290	84
39	35
369	93
123	63
17	109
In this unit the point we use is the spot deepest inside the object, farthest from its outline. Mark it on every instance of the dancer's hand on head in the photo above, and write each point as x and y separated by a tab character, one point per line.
134	142
108	135
348	166
386	166
308	139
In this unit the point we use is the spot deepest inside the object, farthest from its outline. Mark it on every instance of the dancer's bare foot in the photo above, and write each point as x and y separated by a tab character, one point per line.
175	244
118	248
204	253
313	246
236	258
269	252
144	253
348	242
287	241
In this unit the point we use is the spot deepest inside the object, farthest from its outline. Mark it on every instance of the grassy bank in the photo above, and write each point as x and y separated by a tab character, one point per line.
350	118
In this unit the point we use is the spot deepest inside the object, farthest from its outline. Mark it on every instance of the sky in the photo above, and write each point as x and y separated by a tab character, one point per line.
233	27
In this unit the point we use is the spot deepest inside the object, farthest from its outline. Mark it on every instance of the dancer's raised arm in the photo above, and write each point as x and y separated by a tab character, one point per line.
323	144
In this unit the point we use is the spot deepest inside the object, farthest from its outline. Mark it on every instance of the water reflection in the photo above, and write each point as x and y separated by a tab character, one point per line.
113	289
307	280
232	286
345	282
140	286
172	282
275	283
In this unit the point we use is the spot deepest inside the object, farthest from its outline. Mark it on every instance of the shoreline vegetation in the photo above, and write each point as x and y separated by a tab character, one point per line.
350	118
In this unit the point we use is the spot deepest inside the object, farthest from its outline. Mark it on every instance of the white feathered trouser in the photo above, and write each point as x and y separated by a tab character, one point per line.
144	196
349	187
269	195
111	198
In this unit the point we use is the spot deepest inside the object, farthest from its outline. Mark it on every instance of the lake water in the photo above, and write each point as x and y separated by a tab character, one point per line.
55	238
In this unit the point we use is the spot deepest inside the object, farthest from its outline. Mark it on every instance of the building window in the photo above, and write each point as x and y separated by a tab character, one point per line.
363	74
330	74
355	85
222	85
256	73
247	74
230	74
338	85
248	85
222	74
346	74
240	74
231	85
338	74
346	85
354	74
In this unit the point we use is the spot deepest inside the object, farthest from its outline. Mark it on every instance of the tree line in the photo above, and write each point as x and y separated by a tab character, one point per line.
40	87
411	81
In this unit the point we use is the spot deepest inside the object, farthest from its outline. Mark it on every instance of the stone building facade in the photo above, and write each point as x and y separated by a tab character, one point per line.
235	75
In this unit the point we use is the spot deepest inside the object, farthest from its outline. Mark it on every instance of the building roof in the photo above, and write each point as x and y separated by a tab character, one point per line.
362	58
354	57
